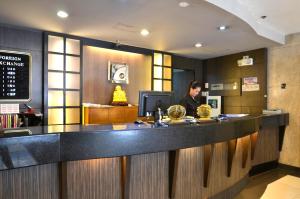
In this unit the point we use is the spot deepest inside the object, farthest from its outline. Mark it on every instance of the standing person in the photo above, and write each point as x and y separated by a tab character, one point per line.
190	101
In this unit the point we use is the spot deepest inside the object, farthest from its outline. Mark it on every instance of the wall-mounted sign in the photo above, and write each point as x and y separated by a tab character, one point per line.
250	87
216	87
206	85
9	108
224	86
118	73
227	87
245	61
204	93
250	80
250	84
231	86
15	76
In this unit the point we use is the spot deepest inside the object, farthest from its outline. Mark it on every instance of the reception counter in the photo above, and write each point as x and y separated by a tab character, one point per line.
209	160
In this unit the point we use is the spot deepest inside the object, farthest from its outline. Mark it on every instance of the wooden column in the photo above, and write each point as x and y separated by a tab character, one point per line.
125	176
281	136
173	169
253	138
231	151
207	158
245	147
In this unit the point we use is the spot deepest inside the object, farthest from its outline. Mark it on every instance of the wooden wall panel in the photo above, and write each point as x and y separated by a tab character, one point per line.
37	182
149	176
97	89
91	179
225	67
186	63
267	146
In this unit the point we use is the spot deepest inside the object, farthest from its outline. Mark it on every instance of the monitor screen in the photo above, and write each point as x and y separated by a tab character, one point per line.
15	74
150	101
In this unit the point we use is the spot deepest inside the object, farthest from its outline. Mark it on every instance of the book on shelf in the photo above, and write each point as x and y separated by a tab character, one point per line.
9	120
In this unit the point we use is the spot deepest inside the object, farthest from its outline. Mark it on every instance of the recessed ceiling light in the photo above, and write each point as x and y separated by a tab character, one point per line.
62	14
145	32
183	4
222	28
198	45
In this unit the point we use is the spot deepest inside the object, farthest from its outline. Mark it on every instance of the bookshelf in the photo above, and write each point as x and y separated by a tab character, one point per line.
9	121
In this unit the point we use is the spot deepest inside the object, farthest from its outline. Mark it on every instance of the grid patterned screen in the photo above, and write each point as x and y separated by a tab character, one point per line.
162	72
63	82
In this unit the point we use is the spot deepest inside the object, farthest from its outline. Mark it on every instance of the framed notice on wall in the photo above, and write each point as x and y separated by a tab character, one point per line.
250	84
15	76
118	73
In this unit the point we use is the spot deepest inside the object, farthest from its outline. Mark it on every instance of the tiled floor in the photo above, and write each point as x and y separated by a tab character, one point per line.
258	183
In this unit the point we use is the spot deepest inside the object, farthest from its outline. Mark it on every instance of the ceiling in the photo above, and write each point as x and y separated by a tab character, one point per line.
282	17
172	28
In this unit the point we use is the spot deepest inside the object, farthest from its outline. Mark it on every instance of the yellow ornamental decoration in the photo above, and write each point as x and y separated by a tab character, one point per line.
119	97
204	111
176	112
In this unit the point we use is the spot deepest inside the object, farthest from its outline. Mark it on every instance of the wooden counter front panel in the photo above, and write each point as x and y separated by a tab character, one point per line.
91	179
146	176
110	115
36	182
190	170
149	176
267	146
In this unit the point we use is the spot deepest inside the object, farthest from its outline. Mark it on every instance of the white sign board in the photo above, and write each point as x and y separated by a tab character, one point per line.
250	87
9	108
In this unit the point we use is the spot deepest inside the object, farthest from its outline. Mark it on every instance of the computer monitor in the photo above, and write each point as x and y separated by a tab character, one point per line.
150	101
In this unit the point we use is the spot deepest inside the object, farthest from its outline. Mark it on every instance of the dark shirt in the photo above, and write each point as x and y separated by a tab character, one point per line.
190	105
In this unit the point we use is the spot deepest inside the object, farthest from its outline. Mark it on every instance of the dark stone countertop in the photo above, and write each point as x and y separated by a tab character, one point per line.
51	144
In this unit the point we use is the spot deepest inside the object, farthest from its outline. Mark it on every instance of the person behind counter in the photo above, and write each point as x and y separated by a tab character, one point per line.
189	101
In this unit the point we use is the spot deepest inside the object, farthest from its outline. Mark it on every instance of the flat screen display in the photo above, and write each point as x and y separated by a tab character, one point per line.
15	76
